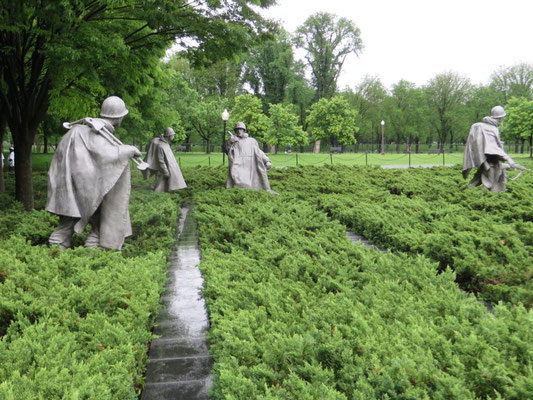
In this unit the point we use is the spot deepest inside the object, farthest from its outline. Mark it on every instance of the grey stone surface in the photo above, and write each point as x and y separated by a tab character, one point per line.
184	390
179	365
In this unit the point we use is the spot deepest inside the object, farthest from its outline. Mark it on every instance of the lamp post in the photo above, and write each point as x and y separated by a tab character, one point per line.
225	117
382	137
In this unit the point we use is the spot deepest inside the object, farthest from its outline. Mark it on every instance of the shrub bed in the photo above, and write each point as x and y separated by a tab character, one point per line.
77	324
486	238
298	311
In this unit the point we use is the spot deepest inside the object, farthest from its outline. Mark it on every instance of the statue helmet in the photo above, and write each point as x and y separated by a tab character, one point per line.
240	125
497	112
113	107
169	132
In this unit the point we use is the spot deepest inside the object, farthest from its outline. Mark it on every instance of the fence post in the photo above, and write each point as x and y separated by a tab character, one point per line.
331	158
296	159
179	161
366	158
209	161
409	159
443	160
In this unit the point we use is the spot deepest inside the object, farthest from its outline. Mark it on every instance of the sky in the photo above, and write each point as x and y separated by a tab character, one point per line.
417	39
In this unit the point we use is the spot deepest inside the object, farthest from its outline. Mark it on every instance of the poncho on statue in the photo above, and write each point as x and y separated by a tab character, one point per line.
247	164
484	151
89	175
162	163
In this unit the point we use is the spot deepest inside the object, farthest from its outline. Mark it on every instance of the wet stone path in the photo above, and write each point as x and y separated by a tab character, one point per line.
179	366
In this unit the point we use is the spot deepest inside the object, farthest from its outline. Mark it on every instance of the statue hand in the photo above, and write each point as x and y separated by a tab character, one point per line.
517	166
134	151
268	165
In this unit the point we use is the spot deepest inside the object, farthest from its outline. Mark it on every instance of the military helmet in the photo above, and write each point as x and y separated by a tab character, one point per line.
169	132
113	107
240	125
497	112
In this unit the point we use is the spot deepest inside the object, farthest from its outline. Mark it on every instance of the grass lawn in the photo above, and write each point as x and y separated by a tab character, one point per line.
41	162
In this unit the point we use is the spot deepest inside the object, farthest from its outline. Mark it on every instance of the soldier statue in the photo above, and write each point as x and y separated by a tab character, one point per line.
484	151
162	163
248	165
89	180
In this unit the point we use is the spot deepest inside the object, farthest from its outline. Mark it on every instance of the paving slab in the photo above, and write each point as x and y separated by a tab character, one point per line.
179	365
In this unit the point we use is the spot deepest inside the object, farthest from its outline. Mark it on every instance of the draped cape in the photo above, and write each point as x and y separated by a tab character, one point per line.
89	173
247	165
161	161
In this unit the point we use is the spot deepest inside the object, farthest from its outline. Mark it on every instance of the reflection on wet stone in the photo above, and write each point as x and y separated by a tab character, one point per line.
179	364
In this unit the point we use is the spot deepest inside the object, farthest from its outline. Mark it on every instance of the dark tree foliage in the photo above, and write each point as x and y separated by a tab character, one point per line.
94	48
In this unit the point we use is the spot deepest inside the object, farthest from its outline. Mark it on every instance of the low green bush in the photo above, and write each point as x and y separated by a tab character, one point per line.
298	311
77	324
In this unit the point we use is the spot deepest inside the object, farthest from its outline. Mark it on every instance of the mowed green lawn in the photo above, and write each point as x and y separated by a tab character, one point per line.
41	162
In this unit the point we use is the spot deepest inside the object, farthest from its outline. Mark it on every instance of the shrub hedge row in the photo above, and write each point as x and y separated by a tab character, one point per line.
77	324
486	238
299	312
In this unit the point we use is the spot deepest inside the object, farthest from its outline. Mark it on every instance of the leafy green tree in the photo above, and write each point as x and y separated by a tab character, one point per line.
447	95
301	95
284	127
327	40
368	99
204	117
408	114
62	48
270	68
513	81
481	101
519	120
333	118
249	110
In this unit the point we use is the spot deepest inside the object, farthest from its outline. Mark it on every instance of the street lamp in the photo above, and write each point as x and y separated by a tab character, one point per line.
225	117
382	137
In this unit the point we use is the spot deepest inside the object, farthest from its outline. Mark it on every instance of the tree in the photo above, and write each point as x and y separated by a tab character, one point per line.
249	110
481	101
519	120
57	48
447	95
368	99
328	40
270	68
408	113
284	128
333	118
514	81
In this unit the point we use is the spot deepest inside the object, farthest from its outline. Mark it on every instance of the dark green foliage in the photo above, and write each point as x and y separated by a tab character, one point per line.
485	237
297	311
77	324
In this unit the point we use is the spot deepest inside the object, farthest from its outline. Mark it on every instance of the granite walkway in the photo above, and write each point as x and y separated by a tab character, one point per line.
179	365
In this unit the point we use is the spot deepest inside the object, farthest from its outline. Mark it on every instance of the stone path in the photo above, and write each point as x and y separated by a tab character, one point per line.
179	365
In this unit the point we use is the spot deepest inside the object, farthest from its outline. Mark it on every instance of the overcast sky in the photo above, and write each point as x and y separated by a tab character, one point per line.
417	39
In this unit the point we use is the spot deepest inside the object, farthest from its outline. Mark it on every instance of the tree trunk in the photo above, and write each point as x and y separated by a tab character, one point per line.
316	147
522	141
417	142
2	132
516	147
23	171
45	144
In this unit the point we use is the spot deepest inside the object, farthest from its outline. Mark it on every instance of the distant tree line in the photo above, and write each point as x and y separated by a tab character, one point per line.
61	59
